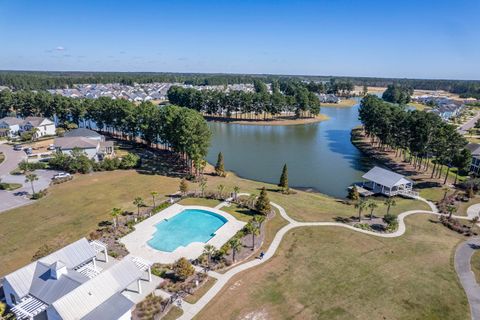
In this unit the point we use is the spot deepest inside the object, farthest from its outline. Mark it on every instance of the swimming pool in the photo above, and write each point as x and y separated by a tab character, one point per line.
190	225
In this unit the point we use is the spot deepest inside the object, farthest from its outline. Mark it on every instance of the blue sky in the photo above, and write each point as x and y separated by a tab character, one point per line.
416	39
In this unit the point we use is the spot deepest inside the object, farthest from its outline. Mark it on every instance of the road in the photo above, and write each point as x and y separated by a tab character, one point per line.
463	255
19	197
469	124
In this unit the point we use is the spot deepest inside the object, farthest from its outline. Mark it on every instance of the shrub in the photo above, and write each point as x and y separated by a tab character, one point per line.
390	218
129	161
30	166
183	269
39	195
363	226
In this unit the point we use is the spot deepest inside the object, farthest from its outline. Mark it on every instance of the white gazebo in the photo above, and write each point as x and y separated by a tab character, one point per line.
388	183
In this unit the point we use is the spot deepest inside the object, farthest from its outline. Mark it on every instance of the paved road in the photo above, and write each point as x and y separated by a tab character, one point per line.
17	198
469	124
463	254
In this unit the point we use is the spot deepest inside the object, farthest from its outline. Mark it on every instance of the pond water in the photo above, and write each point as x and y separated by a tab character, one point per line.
319	156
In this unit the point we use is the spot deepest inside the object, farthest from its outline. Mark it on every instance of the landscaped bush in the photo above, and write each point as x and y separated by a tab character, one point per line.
30	166
150	307
61	180
390	218
9	186
455	225
363	226
39	195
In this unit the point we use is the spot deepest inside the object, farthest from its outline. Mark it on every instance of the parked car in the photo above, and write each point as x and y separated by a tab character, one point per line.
51	147
61	175
18	147
28	150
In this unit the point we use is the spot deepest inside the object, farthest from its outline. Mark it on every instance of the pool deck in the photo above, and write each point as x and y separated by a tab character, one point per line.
136	242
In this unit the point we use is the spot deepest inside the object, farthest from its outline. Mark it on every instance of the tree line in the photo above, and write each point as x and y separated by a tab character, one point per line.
421	136
398	94
295	100
181	130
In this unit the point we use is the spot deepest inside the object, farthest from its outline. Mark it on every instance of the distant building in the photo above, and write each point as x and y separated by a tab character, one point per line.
388	183
13	127
475	164
328	98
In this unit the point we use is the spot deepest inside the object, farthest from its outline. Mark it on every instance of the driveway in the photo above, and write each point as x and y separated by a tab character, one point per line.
19	197
469	124
463	254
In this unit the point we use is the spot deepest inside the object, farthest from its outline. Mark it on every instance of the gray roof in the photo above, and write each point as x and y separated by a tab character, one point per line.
12	121
385	177
112	309
90	295
36	121
474	148
73	255
67	143
82	132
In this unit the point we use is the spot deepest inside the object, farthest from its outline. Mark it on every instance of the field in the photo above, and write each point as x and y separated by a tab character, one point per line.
288	121
419	106
331	273
342	103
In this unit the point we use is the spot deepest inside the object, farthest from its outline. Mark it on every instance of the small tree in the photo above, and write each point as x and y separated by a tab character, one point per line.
474	222
220	189
253	229
209	250
153	194
236	190
115	213
203	186
220	166
138	202
183	187
262	204
183	269
31	177
284	178
353	193
451	209
235	245
390	202
360	205
372	205
389	218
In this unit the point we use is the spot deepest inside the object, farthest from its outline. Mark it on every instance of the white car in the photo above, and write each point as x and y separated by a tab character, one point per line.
61	175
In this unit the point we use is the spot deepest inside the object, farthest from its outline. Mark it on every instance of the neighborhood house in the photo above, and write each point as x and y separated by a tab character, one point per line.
88	141
13	127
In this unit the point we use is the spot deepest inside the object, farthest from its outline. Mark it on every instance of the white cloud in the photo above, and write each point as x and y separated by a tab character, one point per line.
60	48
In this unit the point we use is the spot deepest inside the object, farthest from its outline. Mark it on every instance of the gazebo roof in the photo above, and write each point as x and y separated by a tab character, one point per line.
386	177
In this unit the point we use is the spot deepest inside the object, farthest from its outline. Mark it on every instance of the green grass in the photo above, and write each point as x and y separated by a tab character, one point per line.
200	202
173	313
475	264
432	194
419	106
2	157
332	273
9	186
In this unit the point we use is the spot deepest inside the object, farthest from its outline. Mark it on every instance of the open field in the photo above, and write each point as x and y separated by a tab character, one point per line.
201	291
475	263
331	273
419	106
72	210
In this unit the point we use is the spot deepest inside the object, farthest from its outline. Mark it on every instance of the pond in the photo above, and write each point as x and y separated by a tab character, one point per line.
319	156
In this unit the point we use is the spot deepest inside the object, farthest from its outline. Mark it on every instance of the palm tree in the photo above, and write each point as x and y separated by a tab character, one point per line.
259	219
360	205
220	189
474	221
236	190
372	205
451	209
390	202
138	202
253	229
203	186
235	245
153	194
115	213
209	250
31	177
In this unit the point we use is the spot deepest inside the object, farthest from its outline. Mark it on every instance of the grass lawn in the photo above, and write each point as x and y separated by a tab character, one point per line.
2	157
331	273
72	210
432	194
419	106
200	202
200	291
173	313
475	264
342	103
9	186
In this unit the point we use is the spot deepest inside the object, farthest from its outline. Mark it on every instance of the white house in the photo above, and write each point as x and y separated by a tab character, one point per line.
89	141
72	283
388	183
43	126
10	126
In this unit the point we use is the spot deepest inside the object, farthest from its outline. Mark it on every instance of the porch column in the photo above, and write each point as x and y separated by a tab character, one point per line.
139	286
149	273
94	260
106	254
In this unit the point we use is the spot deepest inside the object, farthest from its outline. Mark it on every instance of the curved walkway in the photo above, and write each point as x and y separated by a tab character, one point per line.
463	255
191	310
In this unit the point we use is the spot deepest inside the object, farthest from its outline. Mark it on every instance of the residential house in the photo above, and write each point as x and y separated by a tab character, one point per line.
76	282
10	126
13	127
90	142
388	183
475	164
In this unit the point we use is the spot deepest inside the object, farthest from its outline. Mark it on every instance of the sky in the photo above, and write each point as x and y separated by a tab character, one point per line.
402	39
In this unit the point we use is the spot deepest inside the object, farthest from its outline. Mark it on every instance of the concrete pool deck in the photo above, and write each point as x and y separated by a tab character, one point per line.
136	242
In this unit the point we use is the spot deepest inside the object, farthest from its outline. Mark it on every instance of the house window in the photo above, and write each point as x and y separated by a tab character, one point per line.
12	297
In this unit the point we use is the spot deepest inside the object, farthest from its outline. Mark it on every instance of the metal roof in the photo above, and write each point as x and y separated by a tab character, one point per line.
75	142
385	177
112	309
90	295
82	132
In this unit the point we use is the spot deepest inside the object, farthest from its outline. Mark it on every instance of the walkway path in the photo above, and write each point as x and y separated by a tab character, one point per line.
191	310
463	255
469	124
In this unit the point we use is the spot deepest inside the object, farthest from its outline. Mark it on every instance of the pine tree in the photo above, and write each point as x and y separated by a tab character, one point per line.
262	204
183	186
219	167
284	178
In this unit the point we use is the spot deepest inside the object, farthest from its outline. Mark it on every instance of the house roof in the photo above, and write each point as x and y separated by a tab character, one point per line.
82	132
474	148
75	142
112	309
11	121
73	255
90	295
385	177
36	121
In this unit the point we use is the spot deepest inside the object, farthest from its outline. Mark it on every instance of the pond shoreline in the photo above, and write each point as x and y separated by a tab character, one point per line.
270	122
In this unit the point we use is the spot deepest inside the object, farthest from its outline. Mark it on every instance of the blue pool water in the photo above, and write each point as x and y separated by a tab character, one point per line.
190	225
